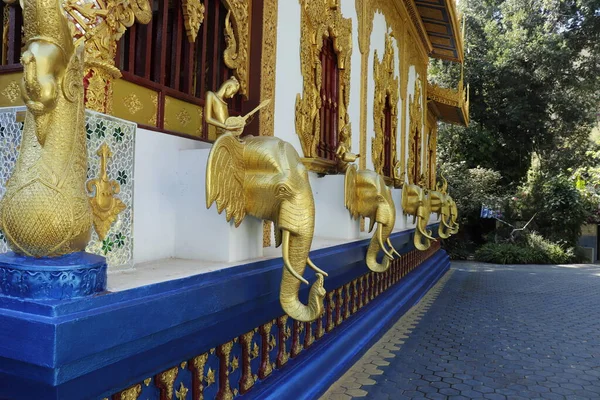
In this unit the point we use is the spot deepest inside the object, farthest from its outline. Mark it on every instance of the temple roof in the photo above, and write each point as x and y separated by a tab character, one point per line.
441	22
449	105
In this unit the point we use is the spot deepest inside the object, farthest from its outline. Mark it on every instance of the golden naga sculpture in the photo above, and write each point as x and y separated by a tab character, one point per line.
367	195
415	202
264	177
105	206
45	211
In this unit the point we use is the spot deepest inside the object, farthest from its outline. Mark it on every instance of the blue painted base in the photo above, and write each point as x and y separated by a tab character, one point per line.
67	277
93	347
312	373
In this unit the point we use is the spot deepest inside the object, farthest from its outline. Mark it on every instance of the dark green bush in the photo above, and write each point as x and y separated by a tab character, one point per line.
533	250
458	248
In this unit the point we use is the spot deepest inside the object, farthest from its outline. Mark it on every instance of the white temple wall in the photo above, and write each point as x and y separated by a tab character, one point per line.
155	180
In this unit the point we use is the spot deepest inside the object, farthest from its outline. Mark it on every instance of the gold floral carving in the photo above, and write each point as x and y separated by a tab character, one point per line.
183	117
147	381
386	92
133	103
133	393
12	91
322	19
249	354
100	25
167	381
105	206
210	377
197	367
415	138
193	16
181	394
237	37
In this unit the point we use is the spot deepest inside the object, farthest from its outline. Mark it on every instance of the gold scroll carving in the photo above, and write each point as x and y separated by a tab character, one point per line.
386	92
105	206
415	135
100	25
237	36
322	19
193	16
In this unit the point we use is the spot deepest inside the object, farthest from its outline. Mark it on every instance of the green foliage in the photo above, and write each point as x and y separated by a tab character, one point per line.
534	73
458	248
533	250
558	209
470	188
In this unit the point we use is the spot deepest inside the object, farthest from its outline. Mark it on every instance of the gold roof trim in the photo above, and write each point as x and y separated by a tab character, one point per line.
450	105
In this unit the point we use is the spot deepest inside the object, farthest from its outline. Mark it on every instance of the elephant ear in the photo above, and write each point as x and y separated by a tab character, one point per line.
350	191
225	178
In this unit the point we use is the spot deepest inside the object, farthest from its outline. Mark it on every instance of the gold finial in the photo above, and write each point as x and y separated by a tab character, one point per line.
105	207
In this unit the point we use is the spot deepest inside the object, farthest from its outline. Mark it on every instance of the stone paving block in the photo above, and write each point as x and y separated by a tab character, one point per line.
357	393
496	332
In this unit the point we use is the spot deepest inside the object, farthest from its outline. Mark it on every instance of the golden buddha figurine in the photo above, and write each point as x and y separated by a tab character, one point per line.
343	152
217	111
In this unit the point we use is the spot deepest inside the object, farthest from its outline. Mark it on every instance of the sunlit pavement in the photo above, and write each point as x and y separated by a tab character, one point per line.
490	332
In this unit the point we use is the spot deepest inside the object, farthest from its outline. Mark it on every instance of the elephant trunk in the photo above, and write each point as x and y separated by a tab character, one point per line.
296	248
444	230
375	246
423	238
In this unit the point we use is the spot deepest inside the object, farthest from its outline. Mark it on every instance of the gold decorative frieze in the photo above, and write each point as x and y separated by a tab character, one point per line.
386	95
10	90
183	117
237	37
100	25
134	102
322	19
193	16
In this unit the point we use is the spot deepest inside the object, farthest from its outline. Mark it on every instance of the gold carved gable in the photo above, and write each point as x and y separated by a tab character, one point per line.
415	135
387	89
322	19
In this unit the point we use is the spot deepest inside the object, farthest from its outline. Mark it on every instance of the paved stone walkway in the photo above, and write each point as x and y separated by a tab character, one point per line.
490	332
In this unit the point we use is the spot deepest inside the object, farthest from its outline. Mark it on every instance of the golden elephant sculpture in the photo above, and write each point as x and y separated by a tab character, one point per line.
440	205
453	216
45	211
415	202
264	177
367	195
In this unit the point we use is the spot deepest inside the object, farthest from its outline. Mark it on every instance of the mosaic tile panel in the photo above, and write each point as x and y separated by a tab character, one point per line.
233	368
119	135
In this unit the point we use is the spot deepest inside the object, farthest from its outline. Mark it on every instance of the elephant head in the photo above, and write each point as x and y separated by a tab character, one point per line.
367	195
453	216
264	177
441	206
416	203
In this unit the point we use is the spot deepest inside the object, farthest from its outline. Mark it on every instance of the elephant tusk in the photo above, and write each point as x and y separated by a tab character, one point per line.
425	232
380	239
389	242
286	257
446	223
314	267
371	224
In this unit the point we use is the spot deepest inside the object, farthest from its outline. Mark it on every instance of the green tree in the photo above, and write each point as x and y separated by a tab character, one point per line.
534	73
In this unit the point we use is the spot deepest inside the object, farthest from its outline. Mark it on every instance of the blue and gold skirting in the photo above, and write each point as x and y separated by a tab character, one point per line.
218	335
